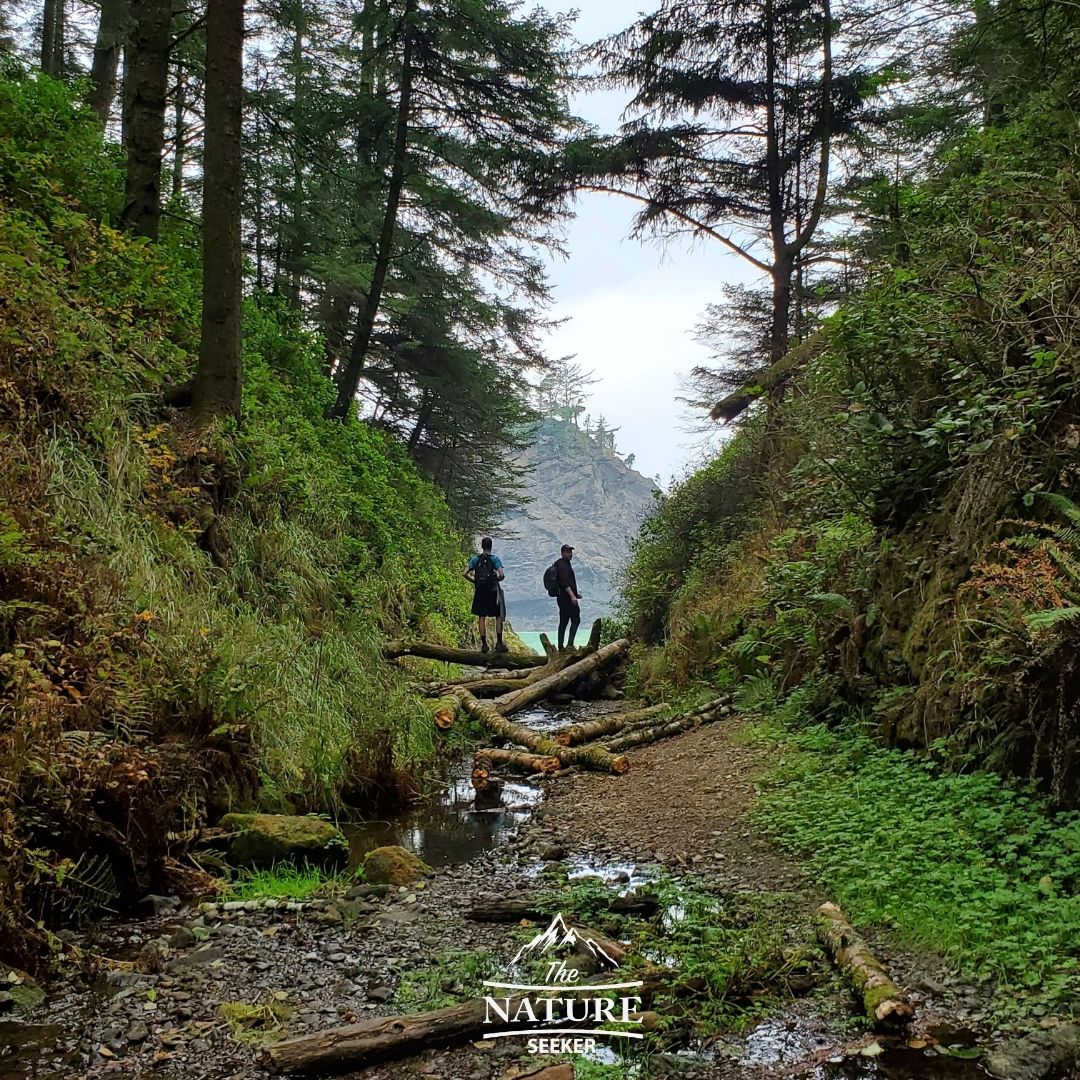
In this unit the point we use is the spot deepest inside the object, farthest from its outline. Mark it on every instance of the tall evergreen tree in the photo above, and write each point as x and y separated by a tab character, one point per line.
738	110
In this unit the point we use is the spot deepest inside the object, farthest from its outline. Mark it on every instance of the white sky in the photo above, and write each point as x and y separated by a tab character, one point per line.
631	307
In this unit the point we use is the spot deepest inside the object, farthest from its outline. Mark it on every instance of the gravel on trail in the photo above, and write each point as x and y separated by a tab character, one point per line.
198	988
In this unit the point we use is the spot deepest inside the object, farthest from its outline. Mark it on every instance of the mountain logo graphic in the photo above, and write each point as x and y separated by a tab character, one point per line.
558	936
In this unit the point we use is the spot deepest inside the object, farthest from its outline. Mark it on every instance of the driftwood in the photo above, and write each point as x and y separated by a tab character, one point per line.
383	1038
559	680
508	911
587	730
468	657
518	760
591	757
885	1004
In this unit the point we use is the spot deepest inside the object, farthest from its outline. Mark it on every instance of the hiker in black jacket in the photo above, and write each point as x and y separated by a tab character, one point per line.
568	596
485	571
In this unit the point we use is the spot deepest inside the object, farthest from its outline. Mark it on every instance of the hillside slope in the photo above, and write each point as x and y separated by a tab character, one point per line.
581	495
189	622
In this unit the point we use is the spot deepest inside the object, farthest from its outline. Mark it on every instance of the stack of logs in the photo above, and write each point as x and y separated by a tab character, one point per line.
593	744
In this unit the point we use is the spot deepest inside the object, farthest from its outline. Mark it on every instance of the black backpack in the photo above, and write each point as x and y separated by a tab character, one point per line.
551	579
484	577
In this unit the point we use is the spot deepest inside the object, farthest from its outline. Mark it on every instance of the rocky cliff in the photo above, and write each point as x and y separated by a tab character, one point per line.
582	495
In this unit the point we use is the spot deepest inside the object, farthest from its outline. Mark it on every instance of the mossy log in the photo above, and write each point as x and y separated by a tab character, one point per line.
590	757
518	760
886	1006
469	657
559	680
444	710
587	730
643	905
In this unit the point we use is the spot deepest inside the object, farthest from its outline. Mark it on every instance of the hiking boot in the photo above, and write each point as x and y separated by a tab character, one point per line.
484	647
501	646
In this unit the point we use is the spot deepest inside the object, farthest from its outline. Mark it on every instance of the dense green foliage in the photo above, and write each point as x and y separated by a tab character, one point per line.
188	621
897	529
959	864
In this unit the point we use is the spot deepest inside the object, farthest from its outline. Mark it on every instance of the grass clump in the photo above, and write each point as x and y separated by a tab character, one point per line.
254	1023
452	977
283	881
964	865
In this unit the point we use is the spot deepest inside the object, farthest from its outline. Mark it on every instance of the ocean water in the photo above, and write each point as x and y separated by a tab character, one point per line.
532	638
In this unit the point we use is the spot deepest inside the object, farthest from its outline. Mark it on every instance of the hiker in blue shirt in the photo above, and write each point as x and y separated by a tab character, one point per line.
485	571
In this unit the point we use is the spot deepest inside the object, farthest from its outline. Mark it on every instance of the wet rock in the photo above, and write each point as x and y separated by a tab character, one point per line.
264	839
553	853
159	905
366	892
1038	1056
394	866
199	958
380	994
137	1032
182	938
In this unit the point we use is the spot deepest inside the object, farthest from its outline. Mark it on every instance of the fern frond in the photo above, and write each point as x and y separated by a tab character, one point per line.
1066	508
1044	620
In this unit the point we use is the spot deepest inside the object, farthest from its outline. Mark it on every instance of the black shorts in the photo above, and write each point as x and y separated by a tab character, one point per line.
486	602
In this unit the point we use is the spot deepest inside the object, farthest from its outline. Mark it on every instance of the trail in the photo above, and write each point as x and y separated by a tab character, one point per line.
682	809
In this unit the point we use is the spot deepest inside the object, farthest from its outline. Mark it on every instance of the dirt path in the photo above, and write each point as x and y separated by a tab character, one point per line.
684	804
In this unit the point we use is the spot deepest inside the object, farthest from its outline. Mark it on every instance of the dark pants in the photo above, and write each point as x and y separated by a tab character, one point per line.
569	615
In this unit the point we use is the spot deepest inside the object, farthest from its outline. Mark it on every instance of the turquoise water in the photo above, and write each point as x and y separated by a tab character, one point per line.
532	638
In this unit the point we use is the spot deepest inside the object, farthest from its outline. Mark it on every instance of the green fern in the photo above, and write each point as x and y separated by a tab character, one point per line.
1044	620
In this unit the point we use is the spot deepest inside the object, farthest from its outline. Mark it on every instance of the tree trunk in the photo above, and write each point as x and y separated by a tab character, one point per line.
216	391
511	911
394	649
589	757
518	760
885	1004
53	32
112	26
588	730
349	381
146	77
179	135
552	684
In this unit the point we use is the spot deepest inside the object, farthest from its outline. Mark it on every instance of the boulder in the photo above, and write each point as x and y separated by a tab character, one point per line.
265	839
394	866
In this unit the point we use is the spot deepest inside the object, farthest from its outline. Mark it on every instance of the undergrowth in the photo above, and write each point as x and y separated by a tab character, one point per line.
188	624
961	864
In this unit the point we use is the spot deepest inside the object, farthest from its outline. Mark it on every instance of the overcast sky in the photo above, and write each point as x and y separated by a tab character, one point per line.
631	307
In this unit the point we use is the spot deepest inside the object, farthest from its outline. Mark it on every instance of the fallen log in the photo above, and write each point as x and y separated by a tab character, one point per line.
644	736
346	1049
643	905
558	680
592	757
587	730
471	658
518	760
886	1006
444	711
